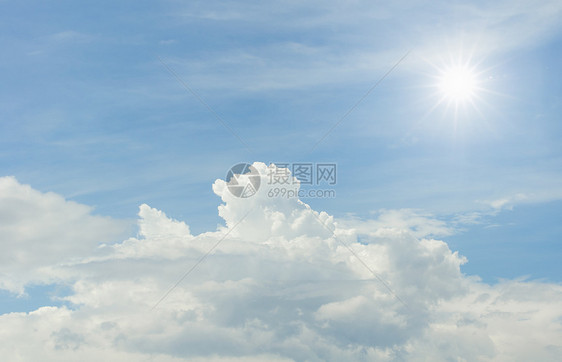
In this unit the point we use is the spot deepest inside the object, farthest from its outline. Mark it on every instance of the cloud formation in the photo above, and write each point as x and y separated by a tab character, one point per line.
39	231
284	282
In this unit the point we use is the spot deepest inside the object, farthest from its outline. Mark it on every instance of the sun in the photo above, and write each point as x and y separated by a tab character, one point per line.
458	83
458	92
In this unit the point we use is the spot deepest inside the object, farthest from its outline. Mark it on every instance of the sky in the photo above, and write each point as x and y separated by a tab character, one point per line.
120	121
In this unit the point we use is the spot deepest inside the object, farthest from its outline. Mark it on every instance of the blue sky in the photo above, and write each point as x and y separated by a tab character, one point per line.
89	112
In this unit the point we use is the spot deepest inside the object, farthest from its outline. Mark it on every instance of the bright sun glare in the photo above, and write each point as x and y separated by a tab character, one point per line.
458	84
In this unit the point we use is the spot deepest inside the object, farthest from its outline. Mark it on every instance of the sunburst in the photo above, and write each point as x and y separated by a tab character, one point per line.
458	83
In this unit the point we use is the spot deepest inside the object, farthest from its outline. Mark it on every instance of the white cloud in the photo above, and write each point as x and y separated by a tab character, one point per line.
543	194
71	36
278	287
41	230
507	202
418	223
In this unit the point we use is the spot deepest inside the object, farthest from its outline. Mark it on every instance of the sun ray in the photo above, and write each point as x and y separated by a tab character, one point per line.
457	95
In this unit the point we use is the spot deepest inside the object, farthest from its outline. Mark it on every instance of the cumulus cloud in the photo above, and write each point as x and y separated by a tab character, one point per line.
41	230
283	282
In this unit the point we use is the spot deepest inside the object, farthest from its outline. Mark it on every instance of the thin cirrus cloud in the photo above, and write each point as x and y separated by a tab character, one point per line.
286	283
347	49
